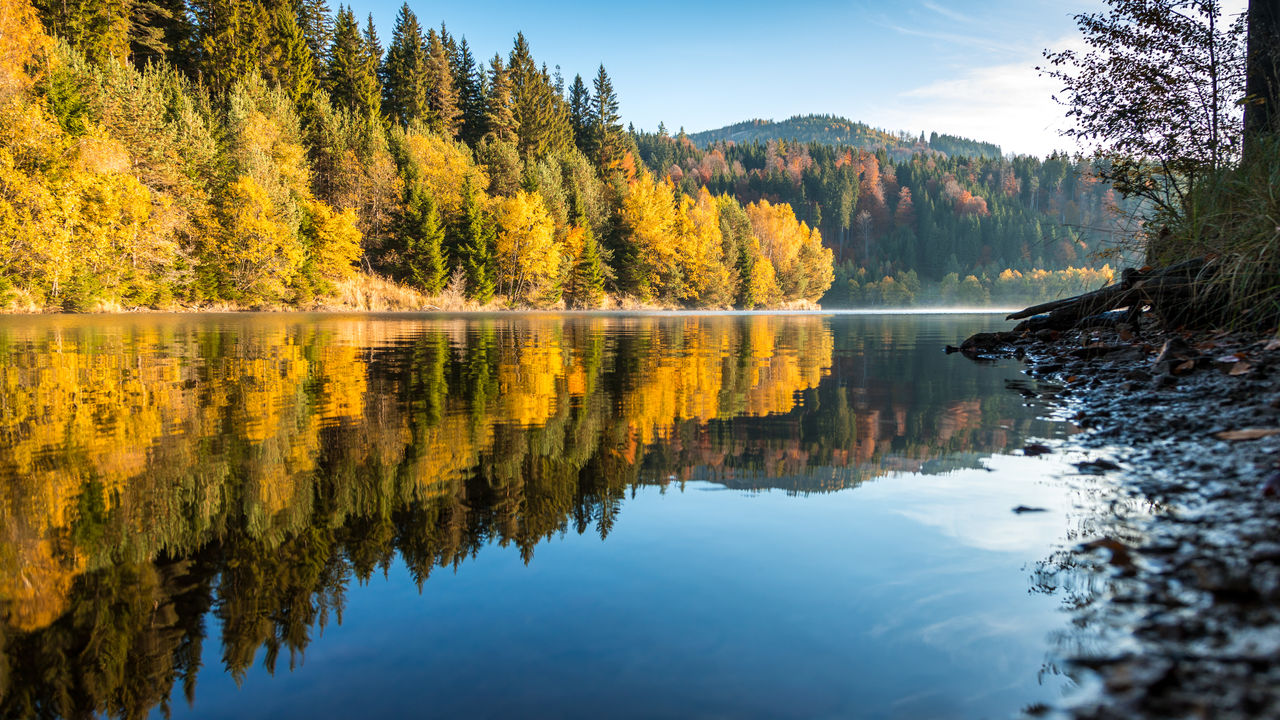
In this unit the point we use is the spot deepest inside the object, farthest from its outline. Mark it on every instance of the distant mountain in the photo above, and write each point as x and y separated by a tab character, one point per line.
832	130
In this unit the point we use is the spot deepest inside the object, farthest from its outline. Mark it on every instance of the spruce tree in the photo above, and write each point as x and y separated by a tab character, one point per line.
288	60
541	115
441	99
423	235
404	72
231	39
586	281
579	113
316	22
606	125
498	114
350	79
474	242
470	93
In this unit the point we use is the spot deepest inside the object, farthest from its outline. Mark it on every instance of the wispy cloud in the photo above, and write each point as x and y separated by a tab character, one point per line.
948	12
1009	104
976	41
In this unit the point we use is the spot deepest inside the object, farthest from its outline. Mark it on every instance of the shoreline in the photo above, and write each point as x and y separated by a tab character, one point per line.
1177	582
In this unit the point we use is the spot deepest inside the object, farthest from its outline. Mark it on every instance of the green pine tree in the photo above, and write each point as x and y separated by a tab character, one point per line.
351	78
541	115
288	60
231	37
404	72
467	81
442	101
579	113
316	22
586	280
474	242
499	117
606	125
423	234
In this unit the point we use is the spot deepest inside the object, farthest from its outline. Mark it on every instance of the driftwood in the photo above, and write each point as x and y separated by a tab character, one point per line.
1170	292
1177	295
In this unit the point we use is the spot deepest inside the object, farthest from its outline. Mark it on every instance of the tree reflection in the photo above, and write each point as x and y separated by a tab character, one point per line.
158	472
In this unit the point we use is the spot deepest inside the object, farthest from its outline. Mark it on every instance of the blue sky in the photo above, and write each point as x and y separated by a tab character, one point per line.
916	65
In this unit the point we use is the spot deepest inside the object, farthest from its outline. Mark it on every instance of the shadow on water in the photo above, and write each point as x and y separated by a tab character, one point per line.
172	484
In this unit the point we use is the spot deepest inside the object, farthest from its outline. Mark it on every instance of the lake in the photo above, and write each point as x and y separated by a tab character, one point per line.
702	515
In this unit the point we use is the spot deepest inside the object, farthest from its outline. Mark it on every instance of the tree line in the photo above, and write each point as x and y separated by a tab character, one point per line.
914	208
257	153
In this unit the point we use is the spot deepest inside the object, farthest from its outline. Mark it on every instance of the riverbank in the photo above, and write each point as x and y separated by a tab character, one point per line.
1184	609
364	292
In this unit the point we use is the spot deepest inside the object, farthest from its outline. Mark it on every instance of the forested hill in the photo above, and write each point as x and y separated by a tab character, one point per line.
924	220
833	130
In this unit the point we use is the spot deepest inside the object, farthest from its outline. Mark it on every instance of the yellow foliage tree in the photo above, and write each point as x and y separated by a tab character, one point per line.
333	241
527	254
259	252
701	261
443	167
649	216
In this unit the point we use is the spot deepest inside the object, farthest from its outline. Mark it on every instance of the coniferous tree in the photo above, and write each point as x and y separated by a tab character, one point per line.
442	101
606	125
404	72
316	22
474	241
231	38
423	234
579	113
500	118
160	32
541	115
470	93
288	60
351	82
100	30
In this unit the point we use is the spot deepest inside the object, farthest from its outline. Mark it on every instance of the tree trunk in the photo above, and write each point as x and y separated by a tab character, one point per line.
1262	85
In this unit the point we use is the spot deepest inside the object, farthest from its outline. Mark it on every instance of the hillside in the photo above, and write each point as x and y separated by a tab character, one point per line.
832	130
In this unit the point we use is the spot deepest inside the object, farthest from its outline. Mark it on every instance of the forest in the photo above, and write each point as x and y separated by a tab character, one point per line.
236	154
930	222
258	154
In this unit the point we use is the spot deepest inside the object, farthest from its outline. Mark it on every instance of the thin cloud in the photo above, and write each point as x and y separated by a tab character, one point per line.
947	12
984	43
1009	104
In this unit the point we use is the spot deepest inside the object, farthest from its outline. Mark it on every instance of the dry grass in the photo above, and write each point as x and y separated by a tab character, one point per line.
1234	219
372	293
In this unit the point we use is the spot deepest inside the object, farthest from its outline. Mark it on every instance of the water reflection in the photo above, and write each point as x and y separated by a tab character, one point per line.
158	470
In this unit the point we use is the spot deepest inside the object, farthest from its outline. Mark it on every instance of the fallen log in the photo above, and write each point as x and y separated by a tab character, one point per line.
1171	292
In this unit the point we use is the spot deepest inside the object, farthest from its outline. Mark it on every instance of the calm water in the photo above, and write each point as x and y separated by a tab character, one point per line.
561	516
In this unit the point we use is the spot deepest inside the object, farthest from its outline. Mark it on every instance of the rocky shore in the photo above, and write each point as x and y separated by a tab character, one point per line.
1183	609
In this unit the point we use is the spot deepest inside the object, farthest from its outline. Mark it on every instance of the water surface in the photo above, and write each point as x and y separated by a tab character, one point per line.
562	516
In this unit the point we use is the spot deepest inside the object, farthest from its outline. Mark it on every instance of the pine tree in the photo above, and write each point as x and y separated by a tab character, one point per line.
541	115
579	113
231	38
316	22
499	118
160	32
474	241
404	72
441	98
606	125
288	60
423	235
467	82
351	82
586	281
101	30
